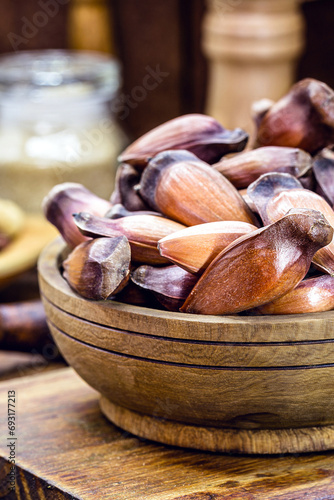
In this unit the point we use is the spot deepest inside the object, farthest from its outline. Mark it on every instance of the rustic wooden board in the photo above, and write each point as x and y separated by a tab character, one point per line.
19	364
15	363
67	449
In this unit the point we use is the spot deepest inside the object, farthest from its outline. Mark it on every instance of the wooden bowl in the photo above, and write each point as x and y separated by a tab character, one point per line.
221	383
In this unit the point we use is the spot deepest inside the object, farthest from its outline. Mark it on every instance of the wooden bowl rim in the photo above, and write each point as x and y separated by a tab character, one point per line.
275	328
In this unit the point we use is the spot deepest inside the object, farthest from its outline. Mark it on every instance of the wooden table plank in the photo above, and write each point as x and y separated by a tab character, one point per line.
13	362
20	364
66	448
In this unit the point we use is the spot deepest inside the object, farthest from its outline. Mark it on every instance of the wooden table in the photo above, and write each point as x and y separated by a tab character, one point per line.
15	364
66	449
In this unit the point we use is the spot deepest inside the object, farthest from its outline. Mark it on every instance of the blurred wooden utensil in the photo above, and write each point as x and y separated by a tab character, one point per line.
22	252
89	26
23	326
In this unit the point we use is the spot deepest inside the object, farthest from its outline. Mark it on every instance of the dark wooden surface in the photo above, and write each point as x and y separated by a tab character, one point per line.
26	348
14	364
318	57
166	35
67	449
22	27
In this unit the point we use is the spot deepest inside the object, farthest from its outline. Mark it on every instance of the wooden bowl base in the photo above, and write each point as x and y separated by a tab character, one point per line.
248	441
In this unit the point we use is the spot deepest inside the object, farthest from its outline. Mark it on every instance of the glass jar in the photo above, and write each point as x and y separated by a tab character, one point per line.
56	125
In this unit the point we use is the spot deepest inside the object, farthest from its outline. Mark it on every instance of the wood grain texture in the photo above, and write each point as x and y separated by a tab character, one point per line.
291	328
69	450
261	441
228	354
28	487
193	373
205	396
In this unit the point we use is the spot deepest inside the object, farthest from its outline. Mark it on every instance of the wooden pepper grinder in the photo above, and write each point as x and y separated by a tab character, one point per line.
252	47
89	25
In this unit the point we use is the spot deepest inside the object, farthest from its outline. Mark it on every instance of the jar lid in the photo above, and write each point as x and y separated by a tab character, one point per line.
58	76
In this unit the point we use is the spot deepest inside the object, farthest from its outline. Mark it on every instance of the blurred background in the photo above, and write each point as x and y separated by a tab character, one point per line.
163	33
